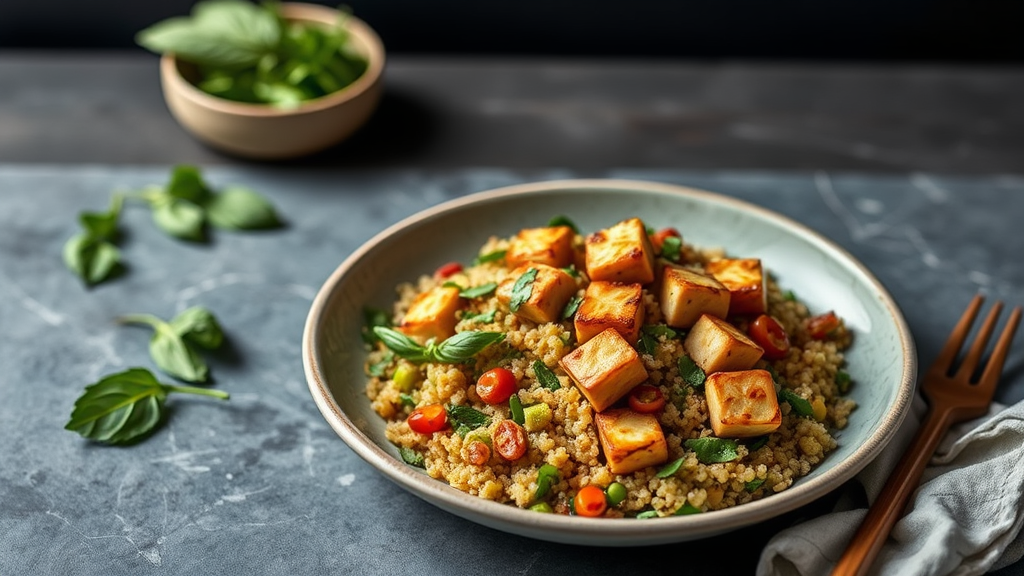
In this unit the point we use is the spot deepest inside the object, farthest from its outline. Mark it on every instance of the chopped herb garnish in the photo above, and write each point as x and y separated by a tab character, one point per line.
545	376
571	308
646	344
758	443
452	284
649	337
515	408
687	509
483	317
571	271
711	450
411	457
407	400
670	468
561	220
373	317
377	368
478	291
843	381
522	289
647	514
465	419
801	406
789	296
754	484
490	257
671	248
690	372
546	476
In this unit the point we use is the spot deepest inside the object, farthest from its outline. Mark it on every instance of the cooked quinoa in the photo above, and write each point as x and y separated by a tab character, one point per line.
763	465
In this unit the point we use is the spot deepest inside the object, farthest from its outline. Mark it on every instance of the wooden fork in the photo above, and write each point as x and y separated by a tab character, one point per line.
953	396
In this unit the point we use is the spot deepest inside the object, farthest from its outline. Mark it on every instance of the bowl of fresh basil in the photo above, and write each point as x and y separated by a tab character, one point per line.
268	81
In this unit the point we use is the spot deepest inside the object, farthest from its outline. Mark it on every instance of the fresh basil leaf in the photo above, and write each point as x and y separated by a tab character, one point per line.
238	208
754	484
690	372
659	330
711	450
647	344
801	406
172	355
198	326
671	248
407	400
515	408
379	369
522	289
483	317
125	407
686	509
479	291
842	380
463	346
757	444
494	256
401	344
103	225
411	457
545	376
179	218
465	418
373	317
563	221
547	475
571	308
670	468
92	259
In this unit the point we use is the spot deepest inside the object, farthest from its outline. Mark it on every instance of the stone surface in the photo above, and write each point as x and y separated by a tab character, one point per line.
260	484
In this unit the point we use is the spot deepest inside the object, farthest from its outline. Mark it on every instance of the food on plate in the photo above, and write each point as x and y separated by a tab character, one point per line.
617	373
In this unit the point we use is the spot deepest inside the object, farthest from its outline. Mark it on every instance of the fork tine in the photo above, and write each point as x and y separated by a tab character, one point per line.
947	356
995	362
973	357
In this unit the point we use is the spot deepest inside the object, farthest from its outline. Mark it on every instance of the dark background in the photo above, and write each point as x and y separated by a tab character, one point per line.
963	31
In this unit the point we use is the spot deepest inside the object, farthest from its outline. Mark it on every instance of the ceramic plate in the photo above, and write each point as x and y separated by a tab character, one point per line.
882	360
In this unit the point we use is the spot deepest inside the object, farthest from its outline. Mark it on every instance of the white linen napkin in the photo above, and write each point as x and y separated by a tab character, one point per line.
964	519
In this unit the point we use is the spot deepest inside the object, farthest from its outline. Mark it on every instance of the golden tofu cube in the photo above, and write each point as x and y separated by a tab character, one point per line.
745	279
605	368
551	246
621	253
717	346
630	440
610	305
686	295
432	314
742	404
550	290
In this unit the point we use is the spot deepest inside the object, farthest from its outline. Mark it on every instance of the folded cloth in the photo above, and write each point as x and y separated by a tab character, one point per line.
964	519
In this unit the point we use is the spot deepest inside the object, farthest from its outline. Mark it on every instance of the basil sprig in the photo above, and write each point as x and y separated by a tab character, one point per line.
93	253
126	406
173	345
455	350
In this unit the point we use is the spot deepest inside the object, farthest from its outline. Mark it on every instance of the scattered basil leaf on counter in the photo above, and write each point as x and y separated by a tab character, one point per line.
670	468
571	308
522	289
466	419
545	376
801	406
690	372
238	208
172	344
562	220
411	457
711	450
478	291
515	409
495	256
546	476
125	407
687	509
92	254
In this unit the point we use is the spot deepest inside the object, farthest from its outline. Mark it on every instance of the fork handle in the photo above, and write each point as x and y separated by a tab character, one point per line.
892	500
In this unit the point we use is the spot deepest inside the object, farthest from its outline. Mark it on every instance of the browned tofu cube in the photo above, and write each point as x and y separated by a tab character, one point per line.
605	369
621	253
549	292
551	246
745	279
686	295
630	440
432	314
716	346
742	404
610	305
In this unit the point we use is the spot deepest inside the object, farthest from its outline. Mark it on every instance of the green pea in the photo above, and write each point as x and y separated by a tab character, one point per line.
542	507
615	493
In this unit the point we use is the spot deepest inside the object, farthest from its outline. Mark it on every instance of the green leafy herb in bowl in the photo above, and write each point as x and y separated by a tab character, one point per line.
250	53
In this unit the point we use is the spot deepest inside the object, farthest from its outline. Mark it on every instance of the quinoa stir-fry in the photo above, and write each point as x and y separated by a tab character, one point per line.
616	373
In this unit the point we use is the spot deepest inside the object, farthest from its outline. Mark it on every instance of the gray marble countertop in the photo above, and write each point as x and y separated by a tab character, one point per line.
260	484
